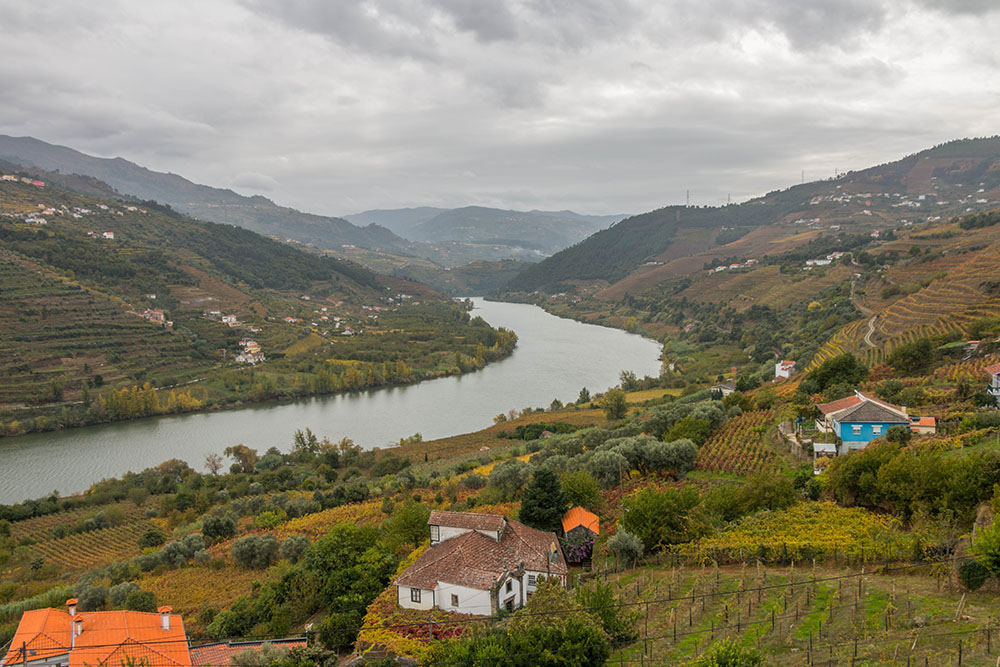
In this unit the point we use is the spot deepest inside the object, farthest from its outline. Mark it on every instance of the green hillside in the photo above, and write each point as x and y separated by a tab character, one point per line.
200	201
100	296
941	182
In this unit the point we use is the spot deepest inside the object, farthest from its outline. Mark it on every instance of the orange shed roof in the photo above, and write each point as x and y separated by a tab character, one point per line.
577	516
106	638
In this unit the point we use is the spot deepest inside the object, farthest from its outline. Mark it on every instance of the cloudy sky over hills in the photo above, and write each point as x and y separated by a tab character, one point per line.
602	107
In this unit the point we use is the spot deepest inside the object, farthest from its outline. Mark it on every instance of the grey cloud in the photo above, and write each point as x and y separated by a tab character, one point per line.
254	182
390	27
489	21
973	7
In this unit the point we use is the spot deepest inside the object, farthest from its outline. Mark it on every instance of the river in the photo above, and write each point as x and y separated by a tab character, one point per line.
554	358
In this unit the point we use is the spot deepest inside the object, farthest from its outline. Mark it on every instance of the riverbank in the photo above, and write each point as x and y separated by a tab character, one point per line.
285	379
554	359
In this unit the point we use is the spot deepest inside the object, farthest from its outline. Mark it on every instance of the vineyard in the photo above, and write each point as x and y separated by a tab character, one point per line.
316	525
41	527
946	306
806	616
805	531
95	548
740	446
191	589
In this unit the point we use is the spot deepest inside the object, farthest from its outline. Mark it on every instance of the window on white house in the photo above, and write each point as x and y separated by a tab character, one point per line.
877	430
856	429
531	580
454	600
510	586
435	533
414	595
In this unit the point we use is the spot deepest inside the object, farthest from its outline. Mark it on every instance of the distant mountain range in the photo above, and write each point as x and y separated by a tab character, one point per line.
448	237
547	231
256	213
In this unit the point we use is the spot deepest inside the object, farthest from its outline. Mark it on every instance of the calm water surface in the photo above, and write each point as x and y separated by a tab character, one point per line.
554	358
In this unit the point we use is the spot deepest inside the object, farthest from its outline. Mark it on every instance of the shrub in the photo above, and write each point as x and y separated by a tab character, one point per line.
151	537
728	653
972	574
293	548
614	404
510	477
620	623
141	601
255	551
626	547
118	594
607	467
986	548
580	488
473	481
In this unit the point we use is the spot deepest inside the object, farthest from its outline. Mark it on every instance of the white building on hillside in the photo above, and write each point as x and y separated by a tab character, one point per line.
479	564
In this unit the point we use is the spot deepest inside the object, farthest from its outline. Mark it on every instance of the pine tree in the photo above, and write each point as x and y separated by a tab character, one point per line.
543	504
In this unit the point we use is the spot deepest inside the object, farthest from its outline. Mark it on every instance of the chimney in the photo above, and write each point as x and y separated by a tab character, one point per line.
71	606
165	617
77	631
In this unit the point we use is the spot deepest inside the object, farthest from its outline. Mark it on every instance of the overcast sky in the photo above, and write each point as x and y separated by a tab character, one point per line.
336	106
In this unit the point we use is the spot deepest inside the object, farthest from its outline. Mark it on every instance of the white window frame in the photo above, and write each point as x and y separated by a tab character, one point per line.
856	429
454	600
532	580
877	429
415	595
435	534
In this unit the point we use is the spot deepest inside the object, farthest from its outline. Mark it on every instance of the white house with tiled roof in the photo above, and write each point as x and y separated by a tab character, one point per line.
479	564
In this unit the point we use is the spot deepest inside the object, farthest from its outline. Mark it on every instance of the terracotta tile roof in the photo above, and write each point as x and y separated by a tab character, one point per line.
476	561
219	654
923	421
43	632
577	516
838	405
107	637
468	520
992	370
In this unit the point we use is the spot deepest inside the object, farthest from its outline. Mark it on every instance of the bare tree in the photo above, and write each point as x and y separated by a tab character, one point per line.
214	463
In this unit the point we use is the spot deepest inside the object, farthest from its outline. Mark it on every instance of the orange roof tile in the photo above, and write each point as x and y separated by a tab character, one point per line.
838	405
577	516
106	638
992	370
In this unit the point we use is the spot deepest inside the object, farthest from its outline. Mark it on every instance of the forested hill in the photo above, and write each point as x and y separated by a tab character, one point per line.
948	180
612	253
101	296
256	213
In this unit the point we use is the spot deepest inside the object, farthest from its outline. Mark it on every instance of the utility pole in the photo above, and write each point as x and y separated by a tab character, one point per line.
687	199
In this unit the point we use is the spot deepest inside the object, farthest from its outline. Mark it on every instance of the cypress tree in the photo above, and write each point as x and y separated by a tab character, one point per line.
543	504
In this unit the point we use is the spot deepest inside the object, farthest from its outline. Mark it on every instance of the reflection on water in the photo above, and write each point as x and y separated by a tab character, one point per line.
554	359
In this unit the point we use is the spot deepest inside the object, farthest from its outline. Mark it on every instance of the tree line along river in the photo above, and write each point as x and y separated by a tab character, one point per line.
554	358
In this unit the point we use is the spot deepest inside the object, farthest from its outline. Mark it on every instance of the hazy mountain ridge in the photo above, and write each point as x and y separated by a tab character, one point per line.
548	231
256	213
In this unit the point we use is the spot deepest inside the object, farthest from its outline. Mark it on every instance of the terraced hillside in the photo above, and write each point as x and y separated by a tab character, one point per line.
103	298
56	330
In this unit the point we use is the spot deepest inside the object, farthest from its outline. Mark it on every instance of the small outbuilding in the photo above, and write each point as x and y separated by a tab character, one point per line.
578	523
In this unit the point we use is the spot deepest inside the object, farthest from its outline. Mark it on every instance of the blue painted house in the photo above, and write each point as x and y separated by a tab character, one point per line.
865	420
